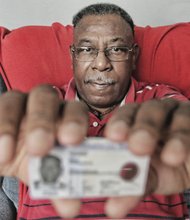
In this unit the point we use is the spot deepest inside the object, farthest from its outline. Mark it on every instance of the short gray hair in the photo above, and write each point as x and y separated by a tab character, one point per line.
103	9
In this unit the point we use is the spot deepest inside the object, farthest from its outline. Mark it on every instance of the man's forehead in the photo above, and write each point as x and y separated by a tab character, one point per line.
90	20
108	40
107	25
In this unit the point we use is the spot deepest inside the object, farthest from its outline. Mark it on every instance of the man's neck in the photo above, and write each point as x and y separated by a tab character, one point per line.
97	111
101	112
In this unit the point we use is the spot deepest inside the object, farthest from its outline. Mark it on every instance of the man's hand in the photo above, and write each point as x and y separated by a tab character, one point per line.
30	124
160	129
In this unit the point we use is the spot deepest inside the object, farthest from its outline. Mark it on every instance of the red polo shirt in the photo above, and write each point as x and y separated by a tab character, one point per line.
152	207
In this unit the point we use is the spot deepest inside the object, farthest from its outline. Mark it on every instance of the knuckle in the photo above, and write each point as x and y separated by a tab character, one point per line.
183	109
180	124
75	111
151	113
12	106
181	118
41	119
125	113
43	97
43	89
157	113
43	108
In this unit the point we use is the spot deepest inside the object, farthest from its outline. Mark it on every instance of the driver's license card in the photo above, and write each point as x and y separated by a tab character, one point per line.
95	168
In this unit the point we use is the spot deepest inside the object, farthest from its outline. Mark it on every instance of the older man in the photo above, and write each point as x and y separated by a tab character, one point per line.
104	55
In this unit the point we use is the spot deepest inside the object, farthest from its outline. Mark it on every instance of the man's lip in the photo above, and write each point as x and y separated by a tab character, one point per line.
100	86
100	83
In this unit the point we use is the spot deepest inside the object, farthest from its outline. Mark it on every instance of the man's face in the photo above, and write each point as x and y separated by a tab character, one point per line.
50	170
101	82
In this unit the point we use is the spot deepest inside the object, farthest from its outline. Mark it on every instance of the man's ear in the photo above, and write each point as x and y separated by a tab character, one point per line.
72	56
135	55
71	53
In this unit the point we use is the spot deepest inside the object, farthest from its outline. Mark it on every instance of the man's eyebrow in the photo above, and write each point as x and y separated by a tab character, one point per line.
112	40
84	41
117	39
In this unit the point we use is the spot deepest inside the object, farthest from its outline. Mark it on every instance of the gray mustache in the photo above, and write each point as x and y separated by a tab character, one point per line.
99	78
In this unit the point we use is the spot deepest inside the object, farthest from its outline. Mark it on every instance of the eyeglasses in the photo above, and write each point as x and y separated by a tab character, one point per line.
88	54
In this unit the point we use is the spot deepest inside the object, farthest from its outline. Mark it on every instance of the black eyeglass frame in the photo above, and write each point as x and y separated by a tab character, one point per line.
75	50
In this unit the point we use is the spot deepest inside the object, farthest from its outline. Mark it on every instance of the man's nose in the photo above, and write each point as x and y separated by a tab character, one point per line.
101	62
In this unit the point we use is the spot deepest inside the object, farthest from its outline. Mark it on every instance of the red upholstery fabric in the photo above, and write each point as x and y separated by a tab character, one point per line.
40	54
165	55
36	54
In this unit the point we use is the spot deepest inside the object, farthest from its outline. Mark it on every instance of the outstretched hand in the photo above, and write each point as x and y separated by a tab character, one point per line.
30	124
161	129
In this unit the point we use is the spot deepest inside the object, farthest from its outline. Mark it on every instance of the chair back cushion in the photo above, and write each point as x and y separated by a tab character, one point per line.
32	55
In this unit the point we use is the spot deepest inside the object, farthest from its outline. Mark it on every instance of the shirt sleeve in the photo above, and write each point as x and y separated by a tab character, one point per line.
145	92
165	91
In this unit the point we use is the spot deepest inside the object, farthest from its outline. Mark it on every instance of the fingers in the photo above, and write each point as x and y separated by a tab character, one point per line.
48	120
142	126
67	208
42	113
119	207
118	127
176	149
150	124
12	106
31	124
74	124
170	180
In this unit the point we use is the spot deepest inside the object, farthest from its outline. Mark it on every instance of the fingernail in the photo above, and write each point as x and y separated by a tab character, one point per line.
67	208
118	131
142	142
174	152
39	141
71	133
6	148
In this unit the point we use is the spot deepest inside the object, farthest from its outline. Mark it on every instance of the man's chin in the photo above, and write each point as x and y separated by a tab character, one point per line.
98	102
